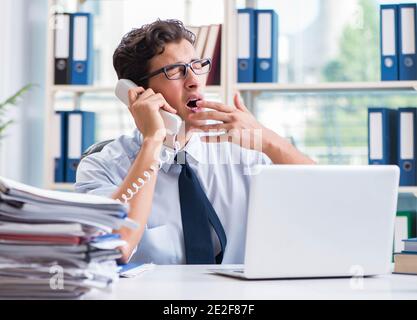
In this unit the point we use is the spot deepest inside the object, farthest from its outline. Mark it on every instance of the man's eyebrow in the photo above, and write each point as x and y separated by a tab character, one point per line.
192	60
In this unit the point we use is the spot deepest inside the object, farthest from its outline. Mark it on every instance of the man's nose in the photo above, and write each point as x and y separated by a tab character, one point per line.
193	81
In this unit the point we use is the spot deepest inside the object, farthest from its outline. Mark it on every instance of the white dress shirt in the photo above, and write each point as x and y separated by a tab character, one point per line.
223	170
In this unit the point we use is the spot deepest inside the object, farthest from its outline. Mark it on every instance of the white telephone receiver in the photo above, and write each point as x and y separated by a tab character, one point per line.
172	122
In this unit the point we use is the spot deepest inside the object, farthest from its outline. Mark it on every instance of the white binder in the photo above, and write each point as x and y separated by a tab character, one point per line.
201	41
74	135
62	48
375	136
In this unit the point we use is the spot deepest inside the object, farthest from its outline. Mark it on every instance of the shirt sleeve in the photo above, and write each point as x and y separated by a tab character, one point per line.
103	172
265	159
251	159
96	176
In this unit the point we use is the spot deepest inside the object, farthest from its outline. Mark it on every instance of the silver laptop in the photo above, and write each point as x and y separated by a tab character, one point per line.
319	221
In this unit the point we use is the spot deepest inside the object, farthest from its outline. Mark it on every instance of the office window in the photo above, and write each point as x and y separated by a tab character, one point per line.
327	41
331	128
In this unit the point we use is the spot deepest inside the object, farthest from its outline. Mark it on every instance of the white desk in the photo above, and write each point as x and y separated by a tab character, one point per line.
196	282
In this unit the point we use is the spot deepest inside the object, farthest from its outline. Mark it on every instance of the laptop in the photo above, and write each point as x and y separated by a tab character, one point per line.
319	222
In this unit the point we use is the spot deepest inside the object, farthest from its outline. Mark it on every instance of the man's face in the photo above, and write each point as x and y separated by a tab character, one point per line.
177	92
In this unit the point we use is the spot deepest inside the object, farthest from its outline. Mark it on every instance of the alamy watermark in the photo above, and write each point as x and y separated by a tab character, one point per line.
56	282
235	147
357	282
232	153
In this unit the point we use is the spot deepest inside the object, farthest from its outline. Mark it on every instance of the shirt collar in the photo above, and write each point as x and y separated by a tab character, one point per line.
193	148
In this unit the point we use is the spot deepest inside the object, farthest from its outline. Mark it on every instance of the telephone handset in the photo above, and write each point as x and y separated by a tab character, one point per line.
173	125
172	122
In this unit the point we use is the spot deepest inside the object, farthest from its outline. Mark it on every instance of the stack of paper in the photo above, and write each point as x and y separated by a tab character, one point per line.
406	261
56	244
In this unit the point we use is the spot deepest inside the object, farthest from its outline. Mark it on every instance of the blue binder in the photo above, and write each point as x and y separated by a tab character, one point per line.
382	136
80	135
59	145
389	42
407	42
81	47
266	63
246	45
407	133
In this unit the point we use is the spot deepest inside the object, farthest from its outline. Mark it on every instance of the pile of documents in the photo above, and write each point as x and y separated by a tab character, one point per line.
57	244
406	261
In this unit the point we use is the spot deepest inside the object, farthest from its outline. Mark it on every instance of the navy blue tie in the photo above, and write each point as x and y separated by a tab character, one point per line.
197	215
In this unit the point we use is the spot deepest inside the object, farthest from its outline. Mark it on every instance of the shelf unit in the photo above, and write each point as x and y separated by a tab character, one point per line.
257	88
51	90
110	89
408	190
225	91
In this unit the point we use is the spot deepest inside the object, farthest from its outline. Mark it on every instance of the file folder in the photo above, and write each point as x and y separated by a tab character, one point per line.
407	146
266	63
62	48
382	139
81	49
201	41
81	135
213	51
389	43
246	45
195	30
59	146
407	40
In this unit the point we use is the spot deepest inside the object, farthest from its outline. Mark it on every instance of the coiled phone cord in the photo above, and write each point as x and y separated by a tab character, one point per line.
168	155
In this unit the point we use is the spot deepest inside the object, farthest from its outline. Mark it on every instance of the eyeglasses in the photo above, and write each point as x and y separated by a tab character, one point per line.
179	70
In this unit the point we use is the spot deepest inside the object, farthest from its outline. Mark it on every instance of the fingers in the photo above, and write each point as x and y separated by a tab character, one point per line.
215	106
209	115
219	127
147	93
168	108
238	102
161	102
149	96
134	93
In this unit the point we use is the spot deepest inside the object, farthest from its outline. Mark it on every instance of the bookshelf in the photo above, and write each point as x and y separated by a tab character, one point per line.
225	91
110	89
82	89
408	190
256	88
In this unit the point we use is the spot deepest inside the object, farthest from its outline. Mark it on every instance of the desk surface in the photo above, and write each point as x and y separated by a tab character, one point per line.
185	282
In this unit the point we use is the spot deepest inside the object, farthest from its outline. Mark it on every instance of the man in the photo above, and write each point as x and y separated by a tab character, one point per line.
195	211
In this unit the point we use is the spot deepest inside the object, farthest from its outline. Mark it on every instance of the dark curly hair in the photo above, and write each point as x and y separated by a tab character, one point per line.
139	46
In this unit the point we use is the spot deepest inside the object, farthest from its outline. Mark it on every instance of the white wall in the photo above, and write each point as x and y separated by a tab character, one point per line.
22	60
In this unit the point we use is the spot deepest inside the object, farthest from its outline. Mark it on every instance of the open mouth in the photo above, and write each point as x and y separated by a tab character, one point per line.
192	104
